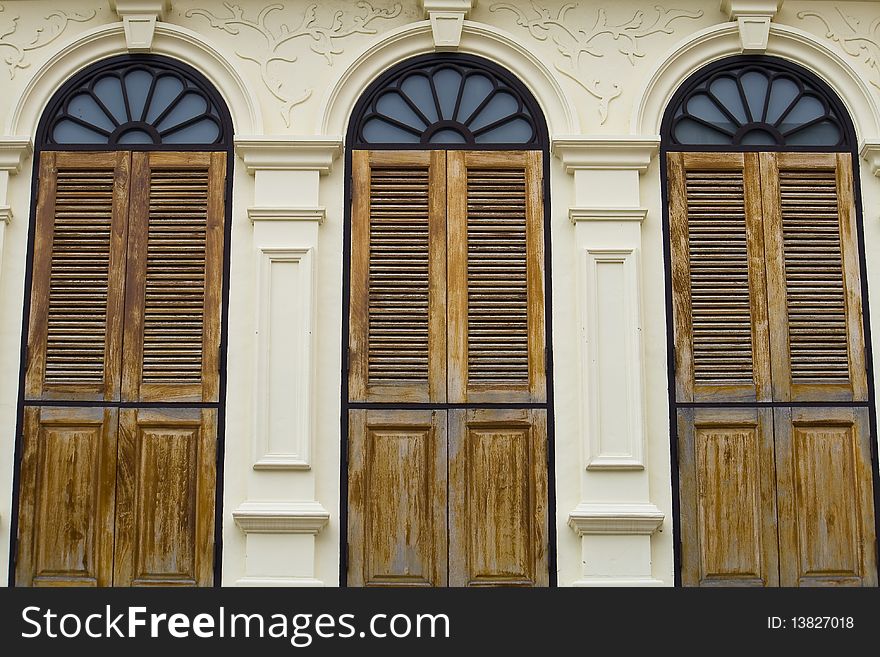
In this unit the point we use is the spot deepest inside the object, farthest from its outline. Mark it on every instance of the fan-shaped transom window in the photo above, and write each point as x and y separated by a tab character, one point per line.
756	103
447	101
136	102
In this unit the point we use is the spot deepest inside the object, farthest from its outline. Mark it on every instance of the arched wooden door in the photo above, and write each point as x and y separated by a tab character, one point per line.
447	399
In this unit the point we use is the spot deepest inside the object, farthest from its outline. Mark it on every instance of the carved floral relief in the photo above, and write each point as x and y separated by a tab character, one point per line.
857	37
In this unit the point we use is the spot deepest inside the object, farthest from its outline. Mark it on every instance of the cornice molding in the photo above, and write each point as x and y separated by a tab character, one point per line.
13	152
288	153
279	213
625	152
265	517
607	214
621	518
870	152
5	214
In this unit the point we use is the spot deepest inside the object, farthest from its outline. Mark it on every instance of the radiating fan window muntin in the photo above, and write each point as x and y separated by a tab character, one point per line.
755	105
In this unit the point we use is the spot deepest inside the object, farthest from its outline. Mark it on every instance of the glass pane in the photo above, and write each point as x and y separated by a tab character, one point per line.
758	137
377	131
167	89
447	136
418	89
447	82
755	85
135	137
727	92
68	132
703	107
137	86
394	107
782	93
823	133
190	105
517	131
502	105
205	131
691	132
805	110
84	107
476	88
109	90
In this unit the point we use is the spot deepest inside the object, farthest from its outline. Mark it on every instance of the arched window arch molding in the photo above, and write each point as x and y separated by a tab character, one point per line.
720	41
416	39
109	40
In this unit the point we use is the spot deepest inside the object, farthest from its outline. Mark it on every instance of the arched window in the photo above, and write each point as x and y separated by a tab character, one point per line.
123	373
146	102
770	384
755	103
451	101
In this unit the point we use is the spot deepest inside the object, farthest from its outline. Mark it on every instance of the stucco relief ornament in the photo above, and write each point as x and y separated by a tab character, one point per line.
278	34
858	41
577	45
53	26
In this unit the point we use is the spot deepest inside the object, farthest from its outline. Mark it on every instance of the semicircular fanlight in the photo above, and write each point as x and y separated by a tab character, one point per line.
447	102
135	103
756	105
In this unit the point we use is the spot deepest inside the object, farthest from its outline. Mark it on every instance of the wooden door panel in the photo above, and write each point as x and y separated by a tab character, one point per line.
826	510
75	327
165	497
498	498
397	498
495	265
68	476
174	280
728	502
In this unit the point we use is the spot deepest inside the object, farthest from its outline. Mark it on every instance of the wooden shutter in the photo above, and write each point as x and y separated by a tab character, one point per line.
728	497
174	282
496	278
397	347
826	506
397	498
66	497
498	497
75	329
813	277
718	288
165	497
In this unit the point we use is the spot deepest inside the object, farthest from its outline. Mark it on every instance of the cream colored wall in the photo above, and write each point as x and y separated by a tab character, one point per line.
603	97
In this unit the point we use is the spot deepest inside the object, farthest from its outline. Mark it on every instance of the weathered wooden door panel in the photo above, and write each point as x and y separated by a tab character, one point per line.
397	339
495	264
498	497
826	506
165	497
66	497
728	497
397	498
75	327
175	271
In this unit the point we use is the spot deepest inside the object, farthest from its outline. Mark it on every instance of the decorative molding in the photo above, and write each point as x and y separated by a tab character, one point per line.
626	152
53	26
860	41
139	19
5	215
13	153
268	517
579	214
277	34
870	152
623	518
283	394
447	20
573	42
266	213
279	581
753	21
288	153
